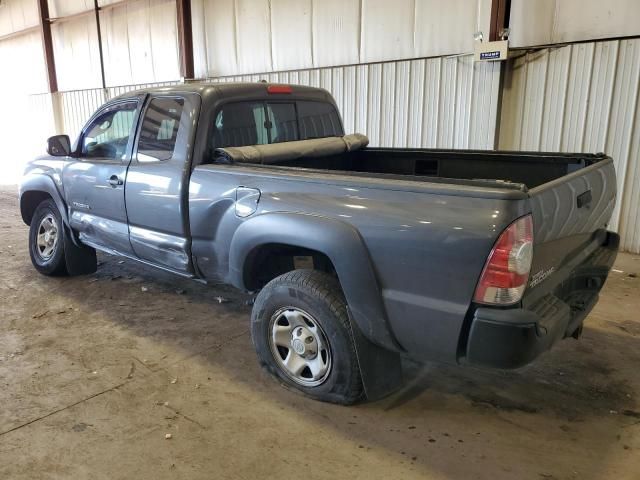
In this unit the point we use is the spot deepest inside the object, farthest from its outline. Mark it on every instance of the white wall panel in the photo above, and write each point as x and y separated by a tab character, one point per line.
402	93
75	45
443	28
220	36
139	49
600	94
557	79
17	15
250	36
630	211
447	102
416	101
140	42
387	30
22	53
336	32
291	34
432	97
61	8
163	30
581	98
621	121
462	101
253	35
199	32
543	22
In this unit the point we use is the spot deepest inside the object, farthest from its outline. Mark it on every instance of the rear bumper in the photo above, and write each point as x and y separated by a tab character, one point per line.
511	338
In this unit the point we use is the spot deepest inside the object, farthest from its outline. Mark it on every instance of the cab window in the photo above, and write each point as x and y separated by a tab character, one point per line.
258	123
242	123
108	134
318	120
159	130
282	122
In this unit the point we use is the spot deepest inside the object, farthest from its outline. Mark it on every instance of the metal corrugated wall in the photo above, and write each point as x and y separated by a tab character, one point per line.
447	102
435	102
581	98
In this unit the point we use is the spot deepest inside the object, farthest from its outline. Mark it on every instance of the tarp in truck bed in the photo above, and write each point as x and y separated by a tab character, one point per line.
279	152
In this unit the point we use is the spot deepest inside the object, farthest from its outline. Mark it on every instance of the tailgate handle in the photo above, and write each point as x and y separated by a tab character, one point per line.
584	199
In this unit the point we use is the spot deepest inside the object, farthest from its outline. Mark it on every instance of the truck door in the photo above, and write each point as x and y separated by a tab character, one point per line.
158	181
94	181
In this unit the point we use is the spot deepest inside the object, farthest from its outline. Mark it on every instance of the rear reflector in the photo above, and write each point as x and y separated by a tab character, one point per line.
506	272
279	89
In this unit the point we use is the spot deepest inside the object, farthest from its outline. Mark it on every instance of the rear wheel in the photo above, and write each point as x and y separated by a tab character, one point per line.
300	329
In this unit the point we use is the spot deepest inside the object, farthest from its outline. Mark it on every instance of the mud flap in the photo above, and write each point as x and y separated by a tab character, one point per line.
380	368
79	259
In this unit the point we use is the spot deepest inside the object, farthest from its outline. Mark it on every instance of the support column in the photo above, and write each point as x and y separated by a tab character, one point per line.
499	18
185	38
47	45
96	11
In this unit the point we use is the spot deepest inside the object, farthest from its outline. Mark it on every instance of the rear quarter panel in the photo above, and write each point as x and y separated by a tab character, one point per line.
427	243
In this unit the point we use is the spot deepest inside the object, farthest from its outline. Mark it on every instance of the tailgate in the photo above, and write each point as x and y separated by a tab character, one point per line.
570	217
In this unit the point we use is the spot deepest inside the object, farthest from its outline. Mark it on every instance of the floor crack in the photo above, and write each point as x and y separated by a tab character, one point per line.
111	389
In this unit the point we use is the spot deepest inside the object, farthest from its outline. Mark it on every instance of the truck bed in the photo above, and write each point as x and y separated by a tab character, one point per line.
527	168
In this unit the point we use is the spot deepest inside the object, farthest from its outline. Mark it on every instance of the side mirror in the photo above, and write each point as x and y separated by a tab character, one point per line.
59	146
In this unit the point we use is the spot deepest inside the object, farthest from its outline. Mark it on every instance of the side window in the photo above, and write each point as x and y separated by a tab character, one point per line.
108	134
159	129
239	124
318	119
283	125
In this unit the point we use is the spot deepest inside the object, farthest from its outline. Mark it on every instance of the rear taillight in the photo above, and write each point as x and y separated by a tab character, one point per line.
506	272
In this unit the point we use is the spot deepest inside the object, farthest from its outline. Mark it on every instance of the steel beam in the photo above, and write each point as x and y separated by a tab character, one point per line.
499	18
185	38
17	33
96	10
84	13
47	45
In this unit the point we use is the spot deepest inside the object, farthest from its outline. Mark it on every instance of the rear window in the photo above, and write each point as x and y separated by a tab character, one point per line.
318	119
258	123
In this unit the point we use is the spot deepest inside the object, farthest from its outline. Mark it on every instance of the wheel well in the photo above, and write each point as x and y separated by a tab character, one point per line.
269	261
29	201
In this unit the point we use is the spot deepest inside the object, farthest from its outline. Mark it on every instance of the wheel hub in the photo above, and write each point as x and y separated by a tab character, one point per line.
300	346
304	342
47	238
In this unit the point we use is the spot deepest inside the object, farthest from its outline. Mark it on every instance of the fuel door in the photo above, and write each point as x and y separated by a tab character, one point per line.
246	201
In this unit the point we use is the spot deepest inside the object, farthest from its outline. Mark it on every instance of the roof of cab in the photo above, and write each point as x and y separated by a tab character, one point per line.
228	89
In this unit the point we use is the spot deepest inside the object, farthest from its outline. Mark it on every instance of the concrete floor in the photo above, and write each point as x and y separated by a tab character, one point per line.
95	370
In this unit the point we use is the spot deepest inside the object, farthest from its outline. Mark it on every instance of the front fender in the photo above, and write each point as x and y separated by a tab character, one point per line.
340	242
45	184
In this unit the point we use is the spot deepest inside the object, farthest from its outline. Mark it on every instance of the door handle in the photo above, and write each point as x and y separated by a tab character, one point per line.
584	199
114	181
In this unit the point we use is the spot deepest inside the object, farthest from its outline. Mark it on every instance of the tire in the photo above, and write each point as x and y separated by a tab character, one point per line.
301	332
48	255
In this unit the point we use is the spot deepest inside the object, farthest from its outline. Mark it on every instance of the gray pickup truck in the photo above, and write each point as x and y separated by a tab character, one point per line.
359	255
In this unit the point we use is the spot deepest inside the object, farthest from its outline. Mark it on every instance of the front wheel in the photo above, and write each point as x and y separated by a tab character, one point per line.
46	239
301	332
